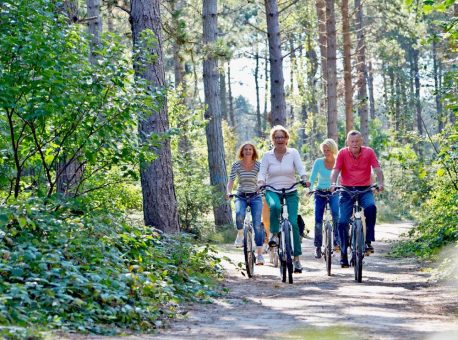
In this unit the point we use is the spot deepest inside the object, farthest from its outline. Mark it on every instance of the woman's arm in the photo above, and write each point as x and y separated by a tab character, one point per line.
262	175
314	173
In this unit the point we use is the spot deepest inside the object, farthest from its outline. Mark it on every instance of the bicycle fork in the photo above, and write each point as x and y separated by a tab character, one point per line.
285	217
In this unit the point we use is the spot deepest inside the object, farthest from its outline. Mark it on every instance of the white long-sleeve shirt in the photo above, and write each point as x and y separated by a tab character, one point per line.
281	174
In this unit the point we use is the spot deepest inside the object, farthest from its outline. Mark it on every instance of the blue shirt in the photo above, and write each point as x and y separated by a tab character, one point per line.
324	175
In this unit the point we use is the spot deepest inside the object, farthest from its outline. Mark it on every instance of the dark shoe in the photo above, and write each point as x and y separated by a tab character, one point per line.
318	252
273	242
297	266
344	261
369	249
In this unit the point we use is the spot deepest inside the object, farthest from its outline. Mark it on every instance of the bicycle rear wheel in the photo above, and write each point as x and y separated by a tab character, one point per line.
359	240
248	250
328	247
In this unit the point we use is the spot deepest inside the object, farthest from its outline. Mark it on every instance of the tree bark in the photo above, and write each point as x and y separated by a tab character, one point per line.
361	69
331	62
159	201
417	92
370	86
277	90
231	119
437	89
223	94
347	67
266	114
259	130
322	41
216	155
94	27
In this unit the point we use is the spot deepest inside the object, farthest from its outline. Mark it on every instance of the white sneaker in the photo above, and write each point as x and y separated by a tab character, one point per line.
239	241
259	260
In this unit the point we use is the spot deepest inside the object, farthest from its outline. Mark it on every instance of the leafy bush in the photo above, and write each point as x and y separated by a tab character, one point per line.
93	272
437	206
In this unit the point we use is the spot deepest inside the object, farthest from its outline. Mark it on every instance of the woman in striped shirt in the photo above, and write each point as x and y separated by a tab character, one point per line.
246	171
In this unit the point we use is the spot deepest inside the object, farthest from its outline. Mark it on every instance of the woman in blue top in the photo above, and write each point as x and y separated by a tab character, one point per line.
322	168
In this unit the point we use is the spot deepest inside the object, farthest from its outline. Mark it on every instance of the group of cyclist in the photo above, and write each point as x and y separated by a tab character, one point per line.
278	168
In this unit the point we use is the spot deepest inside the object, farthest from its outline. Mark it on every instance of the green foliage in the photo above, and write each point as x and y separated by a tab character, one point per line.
56	106
434	199
92	272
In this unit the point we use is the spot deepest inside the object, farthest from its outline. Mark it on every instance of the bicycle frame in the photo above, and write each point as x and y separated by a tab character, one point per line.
285	248
357	230
249	245
327	231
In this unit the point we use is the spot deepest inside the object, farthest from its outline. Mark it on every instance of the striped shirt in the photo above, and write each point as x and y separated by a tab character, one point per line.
247	179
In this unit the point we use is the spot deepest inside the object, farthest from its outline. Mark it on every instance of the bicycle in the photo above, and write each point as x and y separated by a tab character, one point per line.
327	230
285	248
357	230
248	238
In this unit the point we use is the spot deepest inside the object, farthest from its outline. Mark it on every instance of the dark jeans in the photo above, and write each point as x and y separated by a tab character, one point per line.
320	204
367	202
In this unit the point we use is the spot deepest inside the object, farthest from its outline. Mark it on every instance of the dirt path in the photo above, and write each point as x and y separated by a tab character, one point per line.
395	301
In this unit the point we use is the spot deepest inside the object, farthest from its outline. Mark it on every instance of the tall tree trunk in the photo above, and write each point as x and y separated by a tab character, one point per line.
361	69
437	89
216	156
277	90
230	97
94	27
159	200
69	172
417	92
223	94
292	69
370	86
397	106
266	114
259	130
110	24
322	41
311	81
347	67
331	62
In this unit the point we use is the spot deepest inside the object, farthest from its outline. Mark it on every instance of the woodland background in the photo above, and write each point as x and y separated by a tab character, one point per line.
119	122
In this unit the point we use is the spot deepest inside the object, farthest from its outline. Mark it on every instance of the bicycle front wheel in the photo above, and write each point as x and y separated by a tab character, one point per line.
328	247
288	249
359	253
248	250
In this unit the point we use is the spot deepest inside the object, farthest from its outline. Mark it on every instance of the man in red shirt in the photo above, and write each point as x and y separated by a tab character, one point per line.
354	163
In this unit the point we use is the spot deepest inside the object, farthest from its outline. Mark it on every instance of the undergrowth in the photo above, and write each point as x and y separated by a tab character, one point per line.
93	273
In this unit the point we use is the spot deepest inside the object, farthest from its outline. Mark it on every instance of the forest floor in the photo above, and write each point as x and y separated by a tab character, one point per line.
398	299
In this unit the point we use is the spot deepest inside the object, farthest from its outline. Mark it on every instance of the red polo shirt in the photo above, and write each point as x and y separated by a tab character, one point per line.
356	171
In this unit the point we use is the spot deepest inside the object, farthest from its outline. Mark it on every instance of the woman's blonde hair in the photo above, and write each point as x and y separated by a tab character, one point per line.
240	151
331	144
278	128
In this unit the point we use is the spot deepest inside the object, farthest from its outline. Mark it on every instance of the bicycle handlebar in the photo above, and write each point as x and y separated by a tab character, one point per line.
303	183
354	193
321	194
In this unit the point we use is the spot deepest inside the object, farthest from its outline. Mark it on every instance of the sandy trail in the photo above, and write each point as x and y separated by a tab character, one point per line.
396	300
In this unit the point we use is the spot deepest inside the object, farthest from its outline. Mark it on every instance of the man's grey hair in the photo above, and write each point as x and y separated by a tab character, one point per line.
354	133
